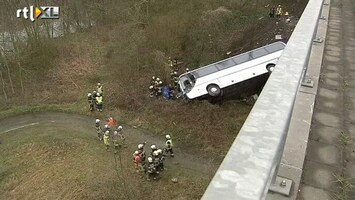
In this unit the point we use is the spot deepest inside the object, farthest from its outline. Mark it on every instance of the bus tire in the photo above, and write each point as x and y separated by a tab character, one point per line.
213	90
270	67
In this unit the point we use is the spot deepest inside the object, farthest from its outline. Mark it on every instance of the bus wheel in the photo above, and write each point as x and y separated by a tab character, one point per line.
270	67
213	90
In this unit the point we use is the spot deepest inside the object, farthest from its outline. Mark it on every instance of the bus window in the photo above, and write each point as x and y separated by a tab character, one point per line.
187	84
192	78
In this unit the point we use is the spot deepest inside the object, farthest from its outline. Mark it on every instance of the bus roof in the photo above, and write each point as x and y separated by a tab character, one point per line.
238	59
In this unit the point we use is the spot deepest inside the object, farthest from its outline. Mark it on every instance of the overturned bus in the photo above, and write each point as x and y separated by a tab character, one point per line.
236	75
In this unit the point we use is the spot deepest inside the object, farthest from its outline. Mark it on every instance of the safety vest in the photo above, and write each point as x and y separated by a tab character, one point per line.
106	139
99	100
99	89
169	143
279	10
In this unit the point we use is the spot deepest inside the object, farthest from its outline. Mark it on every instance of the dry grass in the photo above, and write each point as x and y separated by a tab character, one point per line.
67	162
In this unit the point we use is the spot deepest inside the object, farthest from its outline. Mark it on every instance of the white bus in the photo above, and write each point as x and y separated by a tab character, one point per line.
213	78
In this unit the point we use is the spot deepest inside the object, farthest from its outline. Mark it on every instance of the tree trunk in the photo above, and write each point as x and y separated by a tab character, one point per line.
3	85
21	82
10	79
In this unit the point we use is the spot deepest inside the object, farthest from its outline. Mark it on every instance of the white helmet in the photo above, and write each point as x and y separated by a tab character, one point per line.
158	79
150	159
94	92
119	128
140	146
168	137
153	77
160	151
136	153
153	147
89	94
155	153
98	84
160	82
115	132
98	94
97	121
107	132
151	87
106	126
175	72
187	69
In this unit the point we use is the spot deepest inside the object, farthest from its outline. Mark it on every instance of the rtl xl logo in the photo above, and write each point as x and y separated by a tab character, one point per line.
43	12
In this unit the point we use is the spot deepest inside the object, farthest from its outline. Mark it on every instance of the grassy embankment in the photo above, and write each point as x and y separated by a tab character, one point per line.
50	161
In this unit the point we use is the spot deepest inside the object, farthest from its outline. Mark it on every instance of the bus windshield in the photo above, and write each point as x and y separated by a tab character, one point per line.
188	81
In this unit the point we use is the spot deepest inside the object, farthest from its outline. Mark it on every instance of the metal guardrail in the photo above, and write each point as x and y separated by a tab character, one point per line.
250	164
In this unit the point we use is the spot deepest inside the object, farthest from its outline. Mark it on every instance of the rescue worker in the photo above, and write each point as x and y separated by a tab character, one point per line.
156	82
170	62
159	88
153	147
99	89
151	90
106	128
176	82
99	102
91	101
161	160
137	160
115	140
142	153
169	146
272	12
152	81
155	156
173	74
111	122
175	63
120	135
278	11
94	95
187	70
98	129
151	170
156	85
107	140
174	77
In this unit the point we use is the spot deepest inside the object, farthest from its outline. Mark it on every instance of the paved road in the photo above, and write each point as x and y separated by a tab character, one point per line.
331	148
133	137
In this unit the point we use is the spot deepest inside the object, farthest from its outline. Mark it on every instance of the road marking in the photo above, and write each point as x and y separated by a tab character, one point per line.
19	127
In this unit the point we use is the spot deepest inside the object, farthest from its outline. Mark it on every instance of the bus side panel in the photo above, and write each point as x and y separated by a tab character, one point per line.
233	75
243	75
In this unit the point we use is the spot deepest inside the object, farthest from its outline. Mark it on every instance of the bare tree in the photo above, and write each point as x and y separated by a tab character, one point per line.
3	85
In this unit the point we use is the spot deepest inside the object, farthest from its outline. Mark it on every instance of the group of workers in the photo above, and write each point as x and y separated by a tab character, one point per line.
168	91
275	11
111	133
152	165
95	99
156	87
